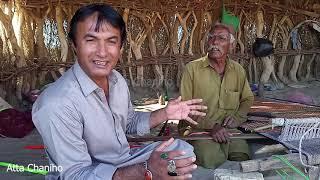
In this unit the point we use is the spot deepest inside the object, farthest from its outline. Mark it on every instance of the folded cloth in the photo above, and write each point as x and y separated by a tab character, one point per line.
15	124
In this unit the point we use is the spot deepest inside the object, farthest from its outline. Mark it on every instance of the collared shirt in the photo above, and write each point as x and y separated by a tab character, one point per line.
229	95
82	130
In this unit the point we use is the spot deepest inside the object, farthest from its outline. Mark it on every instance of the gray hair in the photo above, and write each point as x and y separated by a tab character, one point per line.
232	39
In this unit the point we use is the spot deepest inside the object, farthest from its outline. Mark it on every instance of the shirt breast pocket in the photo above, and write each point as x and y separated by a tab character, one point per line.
229	100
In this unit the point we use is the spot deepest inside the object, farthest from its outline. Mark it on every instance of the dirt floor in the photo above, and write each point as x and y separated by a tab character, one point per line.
307	92
13	150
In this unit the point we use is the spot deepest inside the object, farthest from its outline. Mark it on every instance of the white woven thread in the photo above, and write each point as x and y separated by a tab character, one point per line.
295	128
315	127
300	129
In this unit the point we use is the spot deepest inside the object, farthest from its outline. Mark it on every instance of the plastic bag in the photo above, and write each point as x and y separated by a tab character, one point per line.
262	47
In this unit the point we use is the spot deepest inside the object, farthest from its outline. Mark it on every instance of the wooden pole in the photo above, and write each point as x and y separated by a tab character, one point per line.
189	138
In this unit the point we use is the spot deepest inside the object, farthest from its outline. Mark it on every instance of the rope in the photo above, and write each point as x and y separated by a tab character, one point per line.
300	145
294	129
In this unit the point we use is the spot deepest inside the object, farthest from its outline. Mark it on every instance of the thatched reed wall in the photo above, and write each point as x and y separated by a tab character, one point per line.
162	37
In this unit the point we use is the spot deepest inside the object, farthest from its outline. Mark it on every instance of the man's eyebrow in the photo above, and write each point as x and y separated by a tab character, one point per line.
113	37
88	35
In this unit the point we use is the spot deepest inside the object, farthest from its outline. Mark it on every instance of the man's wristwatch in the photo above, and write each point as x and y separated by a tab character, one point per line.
147	173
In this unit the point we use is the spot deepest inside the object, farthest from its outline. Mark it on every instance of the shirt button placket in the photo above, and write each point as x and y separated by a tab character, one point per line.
102	96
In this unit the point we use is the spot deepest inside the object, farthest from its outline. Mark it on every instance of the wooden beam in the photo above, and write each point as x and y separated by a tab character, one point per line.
143	5
189	138
283	7
46	65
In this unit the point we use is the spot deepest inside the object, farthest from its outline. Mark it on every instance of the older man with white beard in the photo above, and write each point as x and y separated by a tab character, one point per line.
224	88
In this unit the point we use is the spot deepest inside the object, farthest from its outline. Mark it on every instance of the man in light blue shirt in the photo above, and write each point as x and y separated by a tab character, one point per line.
84	116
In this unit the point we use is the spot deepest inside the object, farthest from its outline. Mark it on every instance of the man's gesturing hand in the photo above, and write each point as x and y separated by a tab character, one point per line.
182	110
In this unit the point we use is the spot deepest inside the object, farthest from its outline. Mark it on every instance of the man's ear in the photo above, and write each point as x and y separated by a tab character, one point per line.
121	49
73	46
232	47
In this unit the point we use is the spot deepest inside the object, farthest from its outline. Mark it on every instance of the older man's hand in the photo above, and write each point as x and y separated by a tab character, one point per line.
220	134
183	110
230	122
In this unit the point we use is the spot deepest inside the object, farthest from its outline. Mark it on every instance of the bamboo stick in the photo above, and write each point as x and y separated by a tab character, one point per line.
189	138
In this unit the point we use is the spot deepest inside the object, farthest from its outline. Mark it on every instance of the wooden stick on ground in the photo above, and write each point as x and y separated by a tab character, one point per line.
189	138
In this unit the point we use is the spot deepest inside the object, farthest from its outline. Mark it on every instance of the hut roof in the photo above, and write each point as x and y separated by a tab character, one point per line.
310	8
157	5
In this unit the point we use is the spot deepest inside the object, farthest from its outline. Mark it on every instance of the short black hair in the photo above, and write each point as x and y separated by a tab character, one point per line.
105	14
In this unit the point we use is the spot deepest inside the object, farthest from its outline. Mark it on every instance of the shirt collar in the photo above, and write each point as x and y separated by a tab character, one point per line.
87	85
205	63
112	78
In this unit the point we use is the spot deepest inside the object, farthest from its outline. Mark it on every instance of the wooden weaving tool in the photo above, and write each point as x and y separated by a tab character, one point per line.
189	138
